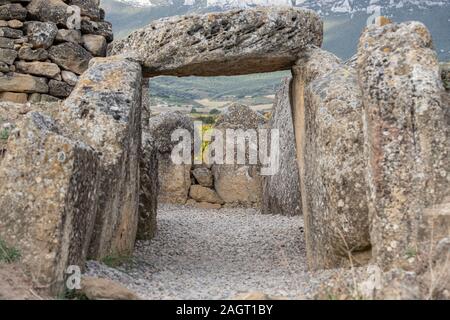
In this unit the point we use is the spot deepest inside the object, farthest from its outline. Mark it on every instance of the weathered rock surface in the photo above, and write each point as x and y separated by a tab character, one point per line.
203	176
101	28
445	74
48	195
95	44
59	88
163	125
46	69
28	54
107	100
105	289
10	33
239	184
407	135
174	180
50	11
8	56
148	198
203	194
14	97
69	35
6	43
39	30
17	82
41	34
328	117
281	191
229	43
12	11
70	56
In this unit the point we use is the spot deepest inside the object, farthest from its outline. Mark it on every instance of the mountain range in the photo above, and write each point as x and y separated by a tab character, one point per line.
344	21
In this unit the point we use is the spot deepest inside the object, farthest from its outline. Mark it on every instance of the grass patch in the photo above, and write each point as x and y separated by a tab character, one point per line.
8	254
72	295
113	261
4	134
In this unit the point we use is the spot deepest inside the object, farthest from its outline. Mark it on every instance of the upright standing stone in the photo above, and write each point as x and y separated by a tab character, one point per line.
107	100
174	179
406	134
148	198
239	183
329	134
48	195
281	191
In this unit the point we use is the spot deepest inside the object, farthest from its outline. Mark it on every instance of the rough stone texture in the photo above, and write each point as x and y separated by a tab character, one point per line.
330	147
238	184
95	44
406	134
105	289
203	176
13	11
228	43
27	53
49	29
38	68
445	74
48	195
163	125
59	88
107	100
69	35
10	33
13	97
101	28
148	198
41	34
89	8
50	11
70	56
203	194
17	82
281	191
6	43
174	180
8	56
69	77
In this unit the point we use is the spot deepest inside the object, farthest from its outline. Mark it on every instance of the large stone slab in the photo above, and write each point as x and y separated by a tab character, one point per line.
406	133
49	192
174	179
148	198
228	43
238	183
107	104
17	82
281	191
328	115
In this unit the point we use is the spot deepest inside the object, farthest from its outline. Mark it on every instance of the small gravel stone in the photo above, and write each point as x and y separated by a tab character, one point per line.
218	254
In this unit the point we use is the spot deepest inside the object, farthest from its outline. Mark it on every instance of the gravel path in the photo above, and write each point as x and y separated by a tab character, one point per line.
217	254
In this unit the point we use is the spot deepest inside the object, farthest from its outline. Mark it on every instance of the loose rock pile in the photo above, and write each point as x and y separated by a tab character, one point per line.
43	50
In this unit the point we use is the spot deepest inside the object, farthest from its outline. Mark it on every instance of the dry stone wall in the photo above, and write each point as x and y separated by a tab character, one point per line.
45	45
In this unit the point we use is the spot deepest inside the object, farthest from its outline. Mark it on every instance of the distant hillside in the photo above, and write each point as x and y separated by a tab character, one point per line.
344	21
